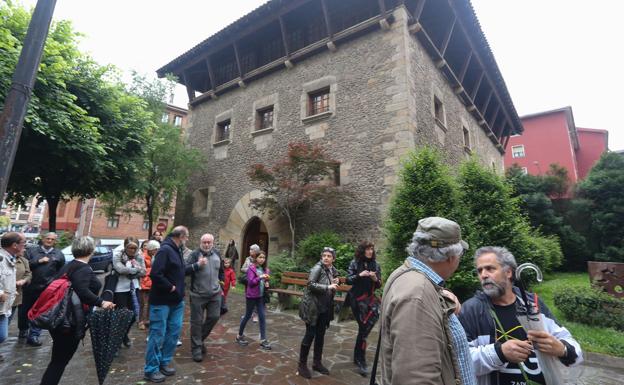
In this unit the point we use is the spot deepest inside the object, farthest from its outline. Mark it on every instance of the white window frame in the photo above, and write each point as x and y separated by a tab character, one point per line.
515	154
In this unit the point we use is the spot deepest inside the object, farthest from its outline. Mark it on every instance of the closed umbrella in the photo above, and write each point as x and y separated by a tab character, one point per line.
108	328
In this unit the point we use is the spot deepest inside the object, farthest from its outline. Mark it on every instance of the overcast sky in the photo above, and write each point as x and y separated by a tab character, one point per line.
552	53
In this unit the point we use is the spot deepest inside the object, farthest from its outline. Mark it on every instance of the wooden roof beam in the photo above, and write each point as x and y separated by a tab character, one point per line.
447	37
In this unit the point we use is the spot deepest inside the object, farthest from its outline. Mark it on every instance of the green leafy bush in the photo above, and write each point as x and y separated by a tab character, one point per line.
280	263
590	307
344	255
309	249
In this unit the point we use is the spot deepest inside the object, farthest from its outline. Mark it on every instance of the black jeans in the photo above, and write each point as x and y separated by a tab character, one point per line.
124	300
316	333
64	345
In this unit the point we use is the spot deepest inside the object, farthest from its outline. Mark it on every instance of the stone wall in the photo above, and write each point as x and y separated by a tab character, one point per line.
381	88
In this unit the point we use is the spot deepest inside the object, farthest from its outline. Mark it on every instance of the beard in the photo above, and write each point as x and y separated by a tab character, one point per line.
492	288
204	248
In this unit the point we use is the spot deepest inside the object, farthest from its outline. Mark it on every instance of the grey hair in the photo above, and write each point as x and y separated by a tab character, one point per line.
420	250
152	245
82	247
503	256
255	248
50	233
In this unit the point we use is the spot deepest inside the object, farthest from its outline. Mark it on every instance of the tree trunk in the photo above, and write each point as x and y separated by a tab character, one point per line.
52	206
291	224
150	213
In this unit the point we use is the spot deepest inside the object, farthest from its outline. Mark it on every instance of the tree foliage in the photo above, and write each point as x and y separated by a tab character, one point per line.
535	194
167	164
425	188
478	199
603	190
293	184
82	132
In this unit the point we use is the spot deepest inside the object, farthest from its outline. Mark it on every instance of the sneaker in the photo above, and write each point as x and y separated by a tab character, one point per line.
34	341
154	377
241	341
265	345
179	343
167	370
255	318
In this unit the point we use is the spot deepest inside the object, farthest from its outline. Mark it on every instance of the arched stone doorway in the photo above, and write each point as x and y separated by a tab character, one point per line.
241	222
256	232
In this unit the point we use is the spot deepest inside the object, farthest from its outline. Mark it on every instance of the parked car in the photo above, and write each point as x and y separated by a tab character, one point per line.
102	258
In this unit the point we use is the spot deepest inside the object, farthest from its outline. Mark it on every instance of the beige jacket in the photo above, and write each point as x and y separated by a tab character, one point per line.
7	281
416	345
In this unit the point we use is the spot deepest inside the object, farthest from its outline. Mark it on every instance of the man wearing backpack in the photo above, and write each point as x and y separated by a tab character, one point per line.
167	304
45	261
12	246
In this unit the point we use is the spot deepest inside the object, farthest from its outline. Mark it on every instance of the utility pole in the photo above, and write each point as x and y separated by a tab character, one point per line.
16	101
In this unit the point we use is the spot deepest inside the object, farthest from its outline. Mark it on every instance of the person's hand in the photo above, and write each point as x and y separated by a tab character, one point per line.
202	261
364	273
107	305
333	286
44	260
516	351
546	343
448	294
19	283
373	276
336	280
4	297
265	276
172	289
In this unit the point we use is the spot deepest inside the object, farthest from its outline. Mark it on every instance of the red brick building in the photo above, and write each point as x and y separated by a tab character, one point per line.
552	137
87	217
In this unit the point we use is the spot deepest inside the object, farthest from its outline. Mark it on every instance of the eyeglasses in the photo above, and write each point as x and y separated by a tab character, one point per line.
329	249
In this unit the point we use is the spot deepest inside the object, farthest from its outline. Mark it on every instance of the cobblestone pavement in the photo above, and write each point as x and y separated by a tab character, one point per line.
228	363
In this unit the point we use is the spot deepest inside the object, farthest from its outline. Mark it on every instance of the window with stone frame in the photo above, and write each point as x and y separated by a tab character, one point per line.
318	102
438	111
223	130
264	118
113	222
466	138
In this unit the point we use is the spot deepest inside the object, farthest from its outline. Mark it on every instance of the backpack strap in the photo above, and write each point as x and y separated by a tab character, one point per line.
374	369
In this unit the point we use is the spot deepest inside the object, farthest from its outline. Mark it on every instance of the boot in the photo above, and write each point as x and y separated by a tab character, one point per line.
302	369
318	355
360	362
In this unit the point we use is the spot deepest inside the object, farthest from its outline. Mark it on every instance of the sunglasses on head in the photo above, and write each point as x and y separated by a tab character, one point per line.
328	249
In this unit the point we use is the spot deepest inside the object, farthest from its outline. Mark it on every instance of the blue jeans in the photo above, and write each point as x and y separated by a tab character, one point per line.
164	331
250	304
4	327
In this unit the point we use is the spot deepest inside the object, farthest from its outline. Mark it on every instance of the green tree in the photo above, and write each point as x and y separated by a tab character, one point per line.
291	186
603	189
168	162
82	131
495	218
535	194
425	188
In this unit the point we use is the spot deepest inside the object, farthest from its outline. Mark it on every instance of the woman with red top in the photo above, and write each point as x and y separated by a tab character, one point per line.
151	247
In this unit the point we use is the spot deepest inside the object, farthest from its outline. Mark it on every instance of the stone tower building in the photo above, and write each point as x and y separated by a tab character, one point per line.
369	80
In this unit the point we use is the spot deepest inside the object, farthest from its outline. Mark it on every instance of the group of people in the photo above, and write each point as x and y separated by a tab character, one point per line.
426	335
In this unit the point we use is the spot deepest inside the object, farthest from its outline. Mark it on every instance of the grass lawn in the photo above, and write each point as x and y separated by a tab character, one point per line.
592	338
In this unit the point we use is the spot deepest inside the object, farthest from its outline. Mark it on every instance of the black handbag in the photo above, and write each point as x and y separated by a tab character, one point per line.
242	279
266	296
110	284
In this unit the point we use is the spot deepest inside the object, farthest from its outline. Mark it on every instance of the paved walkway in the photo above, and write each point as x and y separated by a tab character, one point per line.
228	363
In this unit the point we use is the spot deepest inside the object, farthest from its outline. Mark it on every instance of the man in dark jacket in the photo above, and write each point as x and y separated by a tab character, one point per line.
205	294
45	261
167	304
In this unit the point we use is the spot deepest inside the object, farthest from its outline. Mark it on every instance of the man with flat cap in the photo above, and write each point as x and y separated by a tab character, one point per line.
422	341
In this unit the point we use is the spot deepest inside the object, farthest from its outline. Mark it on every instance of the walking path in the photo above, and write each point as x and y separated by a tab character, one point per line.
228	363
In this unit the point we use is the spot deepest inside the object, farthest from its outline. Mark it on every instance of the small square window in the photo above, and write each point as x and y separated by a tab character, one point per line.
146	225
438	111
466	138
318	102
223	130
177	120
113	222
264	118
164	118
517	151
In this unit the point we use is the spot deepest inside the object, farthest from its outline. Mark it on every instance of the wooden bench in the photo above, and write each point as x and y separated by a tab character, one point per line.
295	282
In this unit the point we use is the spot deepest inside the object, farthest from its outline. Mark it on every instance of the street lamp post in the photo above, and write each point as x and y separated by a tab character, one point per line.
16	101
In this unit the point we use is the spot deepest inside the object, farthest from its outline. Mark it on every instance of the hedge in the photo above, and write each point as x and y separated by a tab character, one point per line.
590	306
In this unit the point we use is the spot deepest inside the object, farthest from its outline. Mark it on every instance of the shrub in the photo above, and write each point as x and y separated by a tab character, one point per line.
309	249
280	263
344	256
591	307
425	188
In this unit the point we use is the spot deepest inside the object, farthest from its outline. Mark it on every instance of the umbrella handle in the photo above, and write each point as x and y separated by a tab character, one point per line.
108	293
531	266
